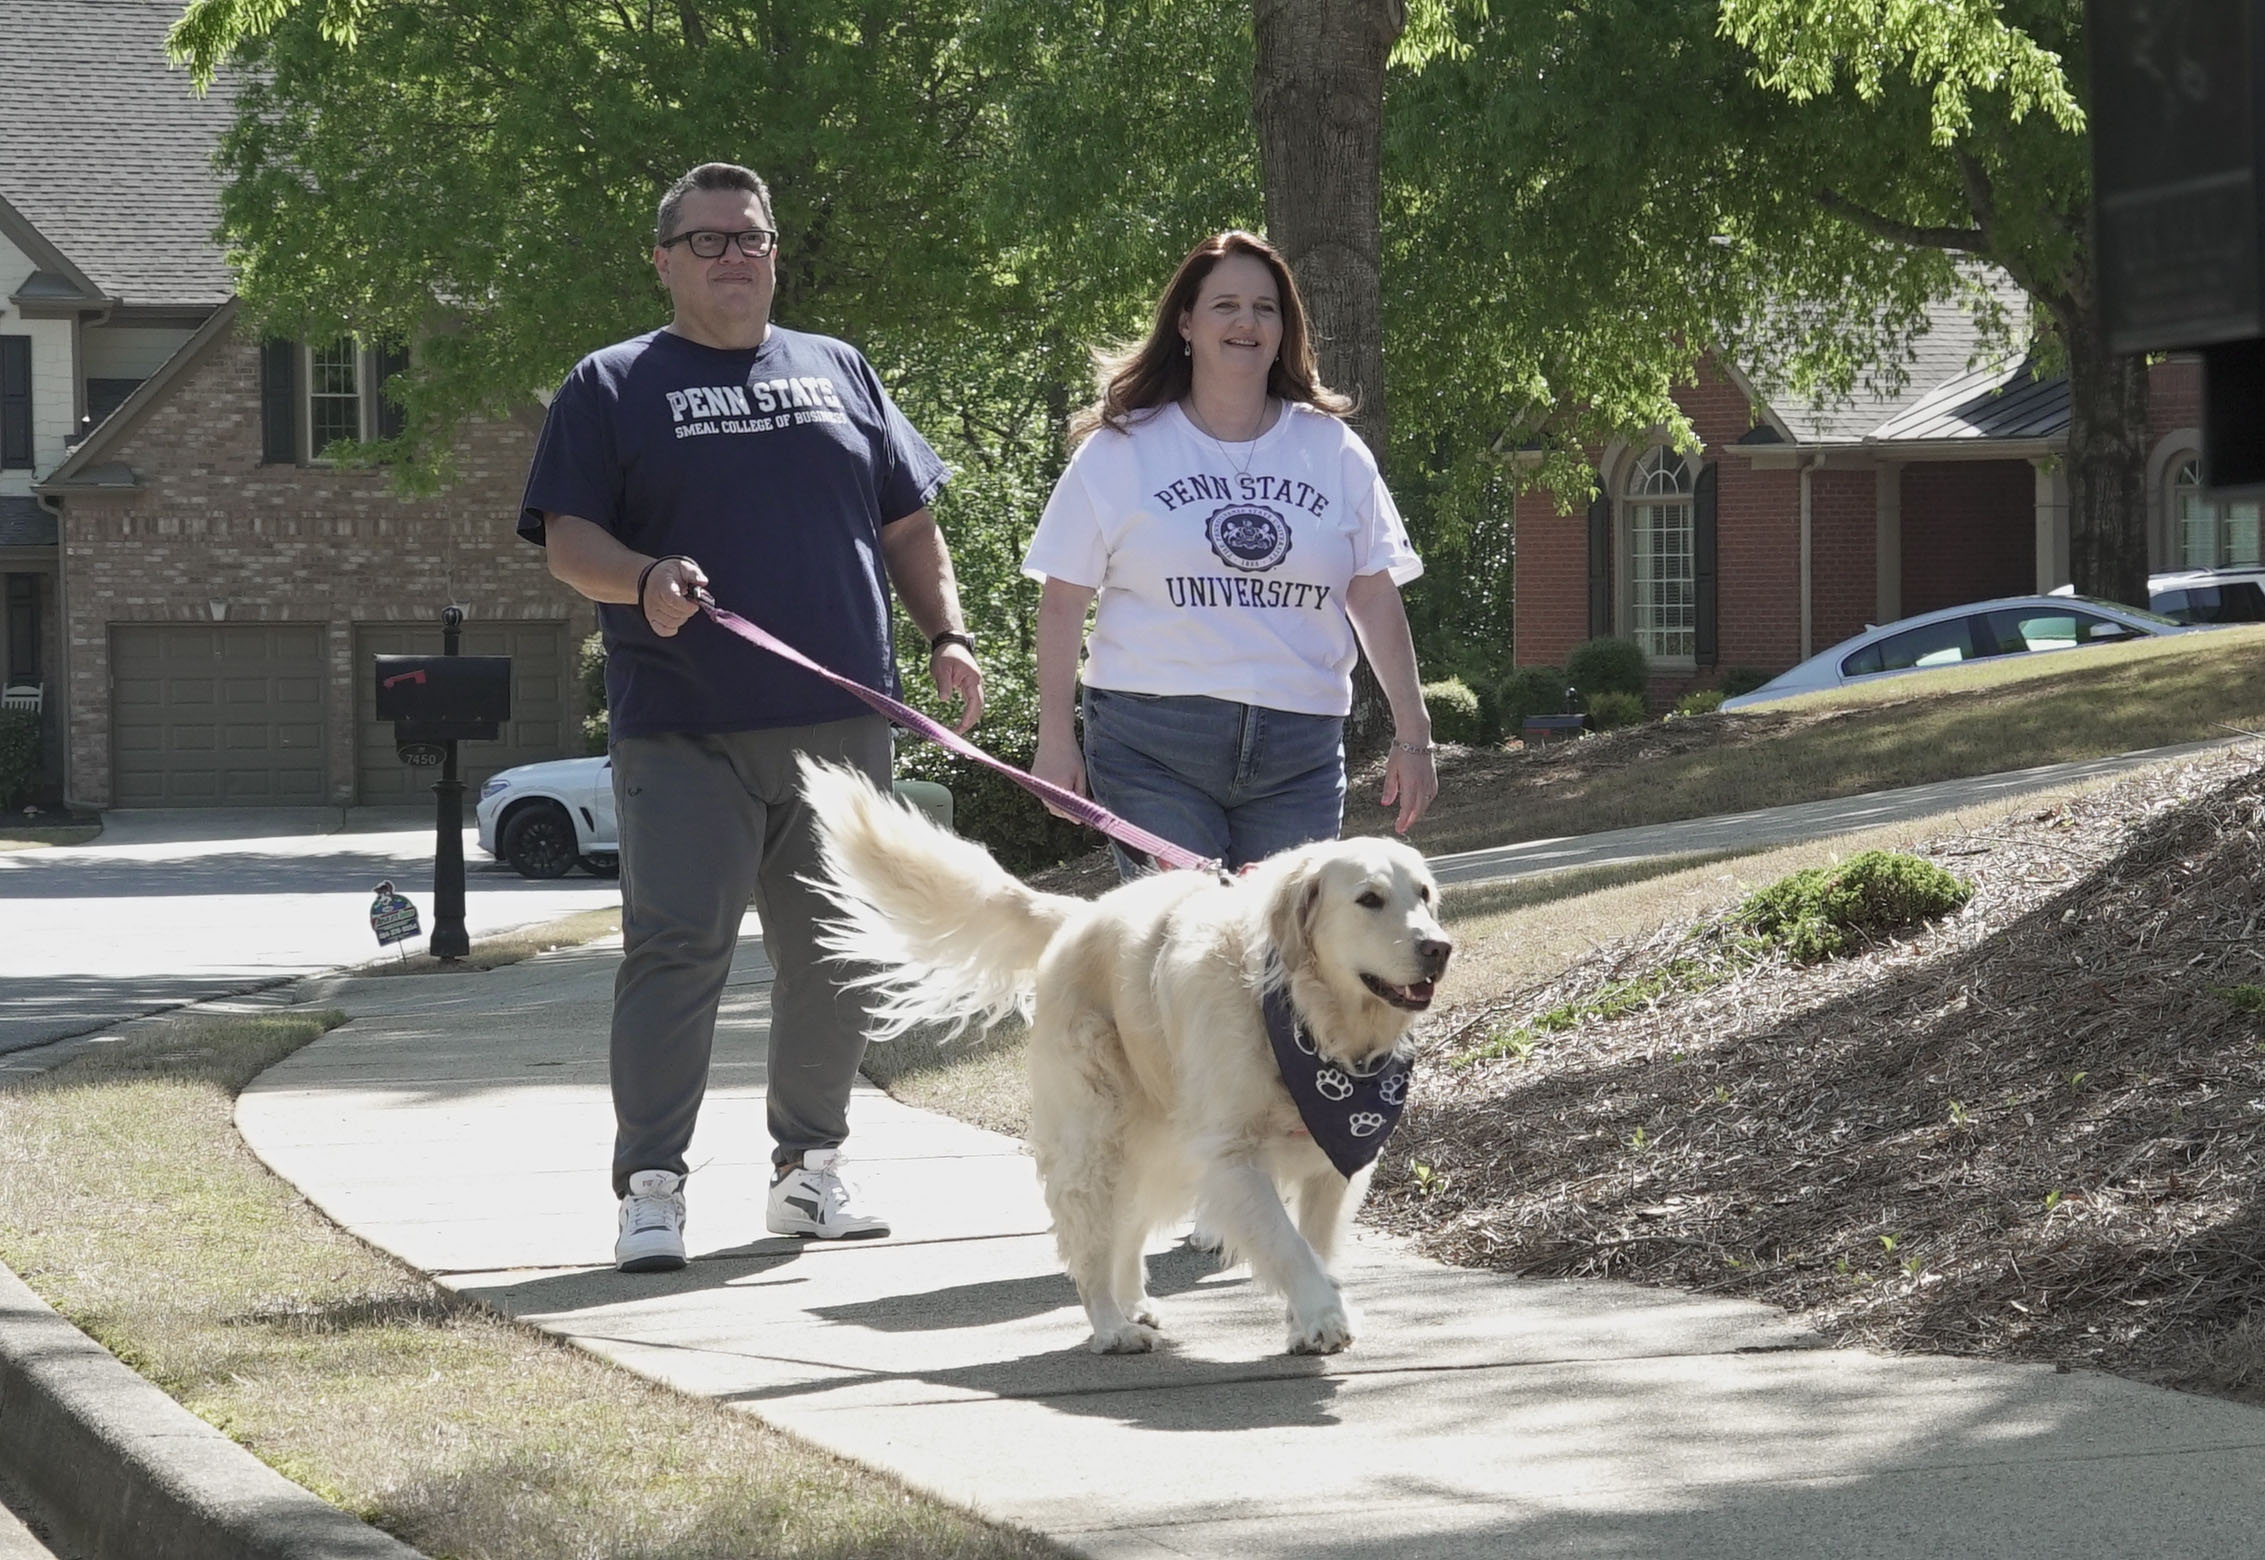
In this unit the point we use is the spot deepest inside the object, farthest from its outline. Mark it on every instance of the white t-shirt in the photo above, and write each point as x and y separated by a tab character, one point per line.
1222	569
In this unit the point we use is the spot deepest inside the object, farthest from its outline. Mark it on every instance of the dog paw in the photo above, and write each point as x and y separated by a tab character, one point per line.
1133	1337
1201	1239
1146	1315
1326	1332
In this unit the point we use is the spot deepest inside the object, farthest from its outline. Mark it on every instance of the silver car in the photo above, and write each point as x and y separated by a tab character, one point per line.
547	819
1953	636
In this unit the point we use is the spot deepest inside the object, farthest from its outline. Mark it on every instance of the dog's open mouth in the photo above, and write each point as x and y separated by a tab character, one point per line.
1415	998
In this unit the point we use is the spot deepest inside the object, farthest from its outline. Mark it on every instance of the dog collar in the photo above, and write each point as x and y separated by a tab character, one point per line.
1348	1114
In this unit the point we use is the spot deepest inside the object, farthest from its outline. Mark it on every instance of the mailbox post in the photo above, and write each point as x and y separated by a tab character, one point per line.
434	702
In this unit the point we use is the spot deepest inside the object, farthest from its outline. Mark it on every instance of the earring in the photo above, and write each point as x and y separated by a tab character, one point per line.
1186	350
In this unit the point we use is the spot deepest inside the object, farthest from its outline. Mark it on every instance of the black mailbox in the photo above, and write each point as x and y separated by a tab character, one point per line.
444	698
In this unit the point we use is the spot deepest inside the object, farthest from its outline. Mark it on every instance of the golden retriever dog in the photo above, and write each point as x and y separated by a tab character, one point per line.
1154	1089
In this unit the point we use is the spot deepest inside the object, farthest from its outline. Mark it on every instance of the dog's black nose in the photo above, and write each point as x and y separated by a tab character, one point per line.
1433	952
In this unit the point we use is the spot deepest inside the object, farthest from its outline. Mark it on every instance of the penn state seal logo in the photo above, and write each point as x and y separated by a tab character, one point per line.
1249	537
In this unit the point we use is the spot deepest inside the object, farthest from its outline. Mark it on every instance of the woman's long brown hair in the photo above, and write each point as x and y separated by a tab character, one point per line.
1143	375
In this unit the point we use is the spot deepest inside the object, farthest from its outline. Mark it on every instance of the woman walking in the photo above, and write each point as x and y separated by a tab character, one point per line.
1238	538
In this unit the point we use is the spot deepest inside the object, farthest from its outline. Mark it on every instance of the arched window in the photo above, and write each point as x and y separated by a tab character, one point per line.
2210	535
1662	606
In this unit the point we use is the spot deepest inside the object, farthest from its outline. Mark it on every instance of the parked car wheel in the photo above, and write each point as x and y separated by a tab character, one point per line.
538	841
605	864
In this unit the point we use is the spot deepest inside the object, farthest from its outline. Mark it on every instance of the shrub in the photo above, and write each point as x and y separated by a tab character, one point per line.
1609	711
1607	666
19	756
1741	679
1700	701
590	669
1454	711
986	806
1827	911
1531	690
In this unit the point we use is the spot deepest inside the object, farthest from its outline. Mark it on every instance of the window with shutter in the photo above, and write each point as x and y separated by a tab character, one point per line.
1600	564
279	402
15	402
390	362
1662	601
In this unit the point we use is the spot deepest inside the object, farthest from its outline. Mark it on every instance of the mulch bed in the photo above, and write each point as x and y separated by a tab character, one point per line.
2034	1130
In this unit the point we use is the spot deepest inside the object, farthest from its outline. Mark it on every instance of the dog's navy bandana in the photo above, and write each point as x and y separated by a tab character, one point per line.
1349	1115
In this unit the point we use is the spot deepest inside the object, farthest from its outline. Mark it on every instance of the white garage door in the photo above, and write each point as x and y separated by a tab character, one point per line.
538	728
217	714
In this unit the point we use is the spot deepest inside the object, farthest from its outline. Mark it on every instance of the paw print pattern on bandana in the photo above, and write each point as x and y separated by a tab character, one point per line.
1348	1107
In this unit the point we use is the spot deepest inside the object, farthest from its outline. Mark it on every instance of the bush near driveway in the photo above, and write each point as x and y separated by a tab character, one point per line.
1455	713
1608	666
19	756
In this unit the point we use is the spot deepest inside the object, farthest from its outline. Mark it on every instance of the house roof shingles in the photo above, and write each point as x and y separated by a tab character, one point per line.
1956	387
85	89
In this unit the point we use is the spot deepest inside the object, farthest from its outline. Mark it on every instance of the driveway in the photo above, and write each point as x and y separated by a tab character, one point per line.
172	906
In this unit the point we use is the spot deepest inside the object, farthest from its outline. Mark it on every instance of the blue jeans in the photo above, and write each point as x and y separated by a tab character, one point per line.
1236	782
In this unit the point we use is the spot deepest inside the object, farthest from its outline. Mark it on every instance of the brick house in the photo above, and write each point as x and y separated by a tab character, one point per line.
1795	526
195	591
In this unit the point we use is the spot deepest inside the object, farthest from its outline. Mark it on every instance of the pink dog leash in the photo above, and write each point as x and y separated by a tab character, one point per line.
1084	809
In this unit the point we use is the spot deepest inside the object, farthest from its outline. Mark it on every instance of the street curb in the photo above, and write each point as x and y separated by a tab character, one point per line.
119	1471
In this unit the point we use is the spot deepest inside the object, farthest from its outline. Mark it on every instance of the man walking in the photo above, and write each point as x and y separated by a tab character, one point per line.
768	465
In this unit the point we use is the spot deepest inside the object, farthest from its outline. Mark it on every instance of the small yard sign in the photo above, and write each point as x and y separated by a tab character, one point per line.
392	916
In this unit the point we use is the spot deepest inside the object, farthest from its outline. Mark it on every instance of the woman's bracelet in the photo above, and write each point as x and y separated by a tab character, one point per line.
1417	747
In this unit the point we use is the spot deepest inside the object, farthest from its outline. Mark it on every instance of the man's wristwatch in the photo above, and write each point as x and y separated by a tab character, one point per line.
952	636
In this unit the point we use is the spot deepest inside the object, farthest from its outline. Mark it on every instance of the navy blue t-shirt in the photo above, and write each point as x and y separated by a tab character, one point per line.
775	469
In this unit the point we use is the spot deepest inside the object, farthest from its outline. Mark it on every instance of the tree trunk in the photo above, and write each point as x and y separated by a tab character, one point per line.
1317	97
2107	464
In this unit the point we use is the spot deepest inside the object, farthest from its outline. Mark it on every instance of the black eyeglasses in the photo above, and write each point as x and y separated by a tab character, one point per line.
708	244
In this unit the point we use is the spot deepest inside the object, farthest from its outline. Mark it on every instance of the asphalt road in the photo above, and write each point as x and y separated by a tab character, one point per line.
169	907
174	906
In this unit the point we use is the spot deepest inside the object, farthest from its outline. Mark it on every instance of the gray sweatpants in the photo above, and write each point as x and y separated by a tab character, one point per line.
707	822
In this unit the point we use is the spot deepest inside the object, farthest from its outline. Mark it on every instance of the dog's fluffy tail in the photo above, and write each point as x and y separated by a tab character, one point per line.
953	937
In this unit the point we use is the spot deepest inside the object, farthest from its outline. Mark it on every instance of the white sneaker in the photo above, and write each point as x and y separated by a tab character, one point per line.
652	1224
813	1199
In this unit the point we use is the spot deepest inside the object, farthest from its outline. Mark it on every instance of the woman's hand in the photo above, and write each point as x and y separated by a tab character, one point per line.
1412	780
1059	763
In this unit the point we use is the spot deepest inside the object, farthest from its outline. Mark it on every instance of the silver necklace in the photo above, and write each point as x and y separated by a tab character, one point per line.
1250	446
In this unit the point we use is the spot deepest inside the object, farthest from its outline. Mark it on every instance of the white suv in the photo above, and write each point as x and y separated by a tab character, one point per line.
546	819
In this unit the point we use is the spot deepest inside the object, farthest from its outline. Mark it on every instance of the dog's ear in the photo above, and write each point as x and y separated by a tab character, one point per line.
1289	917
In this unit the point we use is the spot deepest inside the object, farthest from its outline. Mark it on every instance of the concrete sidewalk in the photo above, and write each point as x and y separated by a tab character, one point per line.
463	1124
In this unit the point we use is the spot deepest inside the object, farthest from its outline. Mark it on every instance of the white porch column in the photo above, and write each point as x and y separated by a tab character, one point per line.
2052	522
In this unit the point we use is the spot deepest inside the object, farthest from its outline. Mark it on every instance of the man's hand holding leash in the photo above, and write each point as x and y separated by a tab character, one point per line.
669	591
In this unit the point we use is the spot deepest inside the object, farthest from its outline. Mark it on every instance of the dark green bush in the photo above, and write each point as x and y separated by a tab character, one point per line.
988	807
19	756
1610	711
1700	701
590	670
1607	666
1741	679
1827	911
1454	712
1530	690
